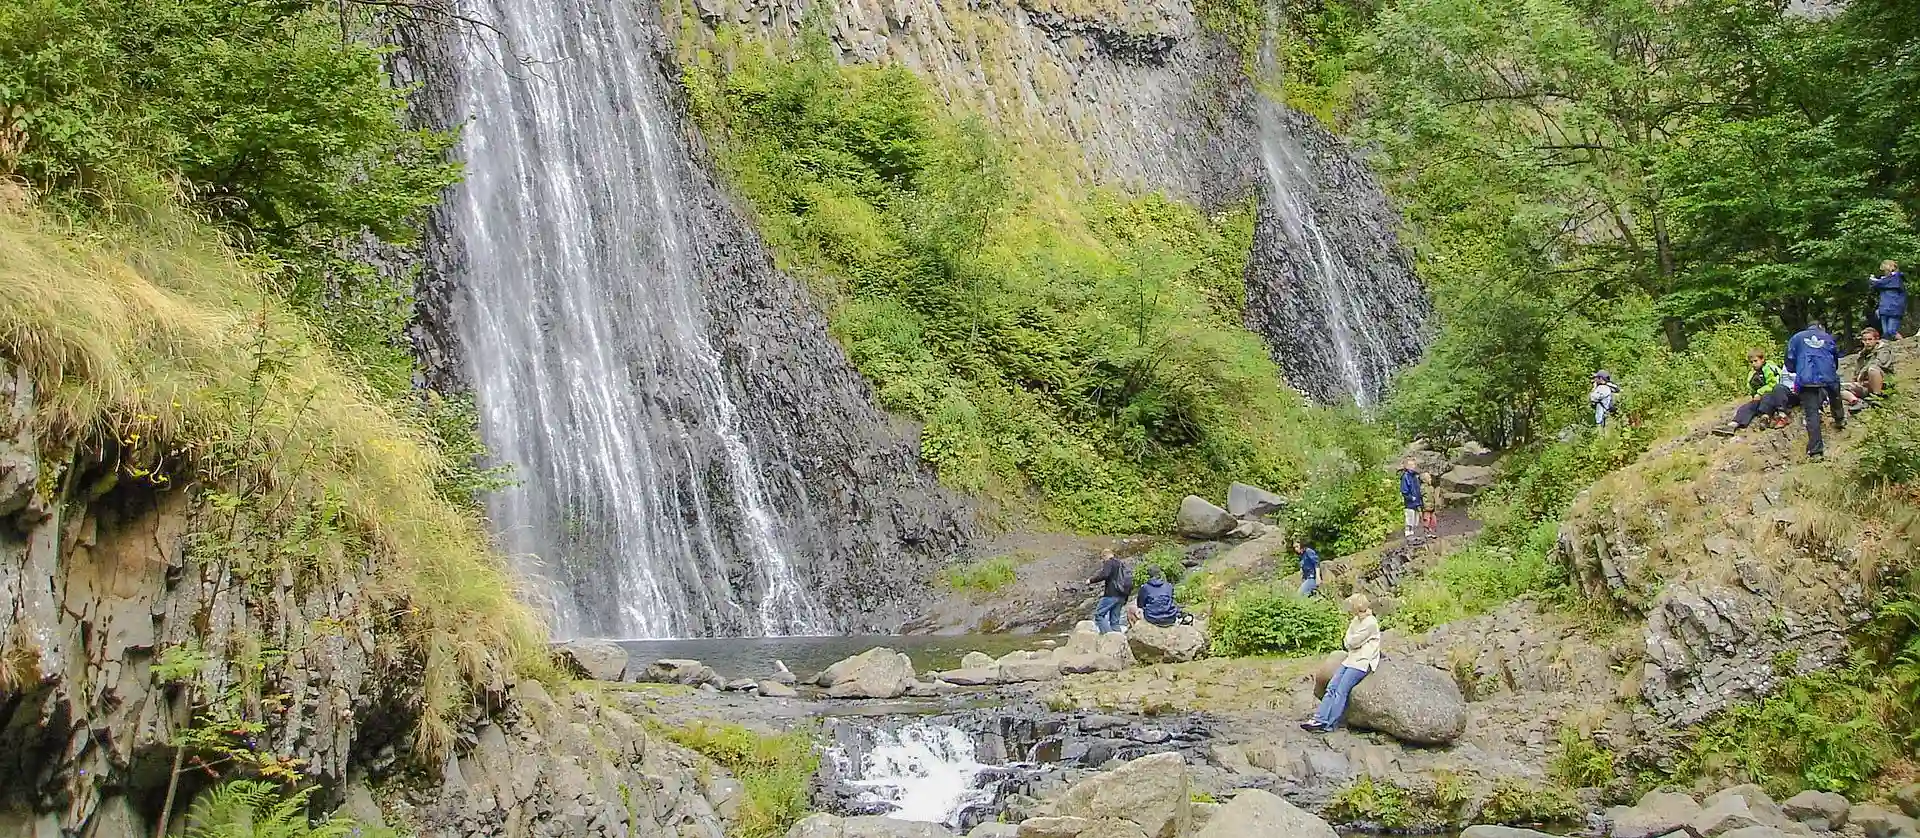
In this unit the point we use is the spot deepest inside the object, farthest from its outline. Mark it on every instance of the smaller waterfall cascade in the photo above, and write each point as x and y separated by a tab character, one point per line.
918	772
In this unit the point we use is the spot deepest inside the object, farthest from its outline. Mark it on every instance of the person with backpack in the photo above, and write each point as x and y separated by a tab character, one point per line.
1814	359
1602	397
1116	581
1891	284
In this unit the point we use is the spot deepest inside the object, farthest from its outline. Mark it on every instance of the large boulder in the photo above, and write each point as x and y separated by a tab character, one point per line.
1244	500
600	660
1254	812
879	672
1490	831
1152	792
1168	644
1881	823
1658	813
976	660
1414	703
1472	454
1467	479
774	689
1725	813
690	673
1019	667
980	677
1822	810
1203	521
829	826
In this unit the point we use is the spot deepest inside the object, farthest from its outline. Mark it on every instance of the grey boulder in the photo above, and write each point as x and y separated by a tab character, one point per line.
1823	810
829	826
774	689
682	671
1658	813
600	660
1881	823
995	830
879	672
1255	812
1152	792
1411	702
1200	519
1166	644
1467	479
1488	831
1244	500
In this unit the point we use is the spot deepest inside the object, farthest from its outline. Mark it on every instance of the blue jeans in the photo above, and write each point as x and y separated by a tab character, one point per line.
1309	585
1334	704
1107	615
1889	325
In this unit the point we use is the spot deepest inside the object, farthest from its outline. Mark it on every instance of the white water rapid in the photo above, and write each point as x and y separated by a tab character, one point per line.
926	772
587	342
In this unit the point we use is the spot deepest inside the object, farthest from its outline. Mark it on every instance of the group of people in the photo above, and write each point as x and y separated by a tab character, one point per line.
1152	602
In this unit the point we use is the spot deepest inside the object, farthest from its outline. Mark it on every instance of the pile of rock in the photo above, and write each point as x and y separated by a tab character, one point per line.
1747	812
1086	650
1460	473
1201	520
1150	797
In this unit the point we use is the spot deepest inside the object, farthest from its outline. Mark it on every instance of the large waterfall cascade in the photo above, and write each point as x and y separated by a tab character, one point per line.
587	343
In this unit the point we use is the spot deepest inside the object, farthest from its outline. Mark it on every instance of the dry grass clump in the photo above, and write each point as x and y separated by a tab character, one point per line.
157	335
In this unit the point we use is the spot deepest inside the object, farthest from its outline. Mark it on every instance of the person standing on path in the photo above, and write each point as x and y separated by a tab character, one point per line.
1410	495
1814	359
1362	643
1891	284
1309	568
1116	583
1602	397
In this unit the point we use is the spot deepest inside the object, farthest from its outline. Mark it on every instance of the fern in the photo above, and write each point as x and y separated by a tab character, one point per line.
256	809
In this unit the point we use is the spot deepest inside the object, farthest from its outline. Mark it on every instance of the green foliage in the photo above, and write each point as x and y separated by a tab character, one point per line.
1476	579
986	576
1889	453
1822	731
1514	801
1349	503
776	770
1169	558
1582	763
1077	355
1272	619
1372	801
256	809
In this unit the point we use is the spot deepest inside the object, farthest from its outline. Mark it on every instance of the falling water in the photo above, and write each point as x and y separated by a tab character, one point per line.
920	771
586	342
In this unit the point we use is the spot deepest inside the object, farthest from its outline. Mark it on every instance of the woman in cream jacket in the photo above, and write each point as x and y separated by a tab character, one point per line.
1363	655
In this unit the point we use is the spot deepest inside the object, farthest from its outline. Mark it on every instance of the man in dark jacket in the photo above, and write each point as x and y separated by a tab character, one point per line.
1891	284
1156	599
1116	582
1309	568
1814	359
1410	494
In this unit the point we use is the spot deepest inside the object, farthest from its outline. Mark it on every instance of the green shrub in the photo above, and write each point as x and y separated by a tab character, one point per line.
1372	801
1475	580
1889	452
1272	619
775	769
259	809
1826	731
1582	763
982	577
1515	801
1167	557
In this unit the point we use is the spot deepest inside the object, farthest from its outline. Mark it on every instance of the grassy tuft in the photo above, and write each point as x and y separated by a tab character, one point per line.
986	576
154	336
775	769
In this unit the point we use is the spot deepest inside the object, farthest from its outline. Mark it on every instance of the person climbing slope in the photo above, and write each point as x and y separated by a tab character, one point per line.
1410	494
1362	642
1814	359
1892	307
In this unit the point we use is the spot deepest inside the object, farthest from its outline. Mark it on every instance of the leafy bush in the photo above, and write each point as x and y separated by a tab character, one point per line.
1272	619
1515	801
984	577
1582	763
258	809
1889	452
1167	557
1372	801
1476	579
776	771
1826	731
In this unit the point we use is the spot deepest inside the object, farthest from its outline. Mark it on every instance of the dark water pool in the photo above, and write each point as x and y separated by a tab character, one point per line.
746	657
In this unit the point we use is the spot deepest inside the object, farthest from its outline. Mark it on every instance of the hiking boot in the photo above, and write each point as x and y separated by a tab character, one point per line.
1726	430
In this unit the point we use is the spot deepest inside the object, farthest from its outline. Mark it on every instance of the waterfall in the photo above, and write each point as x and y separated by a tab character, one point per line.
588	344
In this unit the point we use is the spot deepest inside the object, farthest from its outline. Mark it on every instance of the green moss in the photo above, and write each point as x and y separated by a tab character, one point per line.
1519	802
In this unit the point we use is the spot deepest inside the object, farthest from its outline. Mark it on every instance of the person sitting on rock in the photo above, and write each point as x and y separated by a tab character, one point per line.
1770	396
1411	495
1156	599
1116	582
1362	643
1309	568
1867	378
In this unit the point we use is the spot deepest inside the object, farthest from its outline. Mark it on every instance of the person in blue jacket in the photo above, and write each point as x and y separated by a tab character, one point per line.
1814	359
1155	599
1309	568
1410	494
1891	284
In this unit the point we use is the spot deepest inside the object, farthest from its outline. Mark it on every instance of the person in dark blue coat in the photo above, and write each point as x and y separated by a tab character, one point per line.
1156	599
1892	285
1410	494
1814	359
1309	568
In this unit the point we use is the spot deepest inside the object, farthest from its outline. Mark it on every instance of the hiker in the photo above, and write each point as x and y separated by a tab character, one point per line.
1410	494
1602	397
1867	378
1362	643
1116	583
1156	599
1891	284
1814	361
1309	568
1770	395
